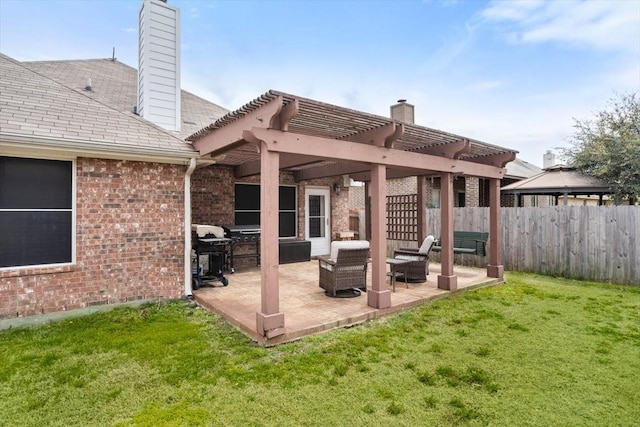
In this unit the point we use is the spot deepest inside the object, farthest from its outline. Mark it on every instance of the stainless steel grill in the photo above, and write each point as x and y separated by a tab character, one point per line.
205	242
243	235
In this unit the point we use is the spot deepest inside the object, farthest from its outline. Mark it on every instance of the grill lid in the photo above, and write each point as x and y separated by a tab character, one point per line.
243	229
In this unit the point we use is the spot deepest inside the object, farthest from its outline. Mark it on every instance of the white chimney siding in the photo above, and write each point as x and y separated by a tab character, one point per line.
159	64
548	159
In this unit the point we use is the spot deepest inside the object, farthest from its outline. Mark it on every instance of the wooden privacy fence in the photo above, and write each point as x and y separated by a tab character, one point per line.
599	243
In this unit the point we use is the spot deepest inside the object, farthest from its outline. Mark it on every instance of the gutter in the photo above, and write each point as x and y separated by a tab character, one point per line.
20	144
187	228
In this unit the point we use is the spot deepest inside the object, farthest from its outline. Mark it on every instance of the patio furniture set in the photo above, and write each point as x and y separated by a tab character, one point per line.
342	273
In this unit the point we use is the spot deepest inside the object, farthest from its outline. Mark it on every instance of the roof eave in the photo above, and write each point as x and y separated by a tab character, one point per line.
559	190
19	145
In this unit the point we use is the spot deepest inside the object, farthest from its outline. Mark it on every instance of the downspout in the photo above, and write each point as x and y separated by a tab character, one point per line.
187	228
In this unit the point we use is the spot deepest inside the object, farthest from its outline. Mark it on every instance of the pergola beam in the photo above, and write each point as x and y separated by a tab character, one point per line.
334	169
499	160
252	167
392	174
288	142
229	136
383	136
451	150
282	119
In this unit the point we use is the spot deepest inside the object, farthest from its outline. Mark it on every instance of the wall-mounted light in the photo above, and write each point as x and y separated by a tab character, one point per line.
337	188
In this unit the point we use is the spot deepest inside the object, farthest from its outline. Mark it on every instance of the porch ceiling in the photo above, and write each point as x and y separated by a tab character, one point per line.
320	121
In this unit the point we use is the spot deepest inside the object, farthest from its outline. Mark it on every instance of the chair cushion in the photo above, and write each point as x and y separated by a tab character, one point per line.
347	244
426	245
410	257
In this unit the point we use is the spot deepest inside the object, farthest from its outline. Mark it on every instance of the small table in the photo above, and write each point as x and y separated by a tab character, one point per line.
395	263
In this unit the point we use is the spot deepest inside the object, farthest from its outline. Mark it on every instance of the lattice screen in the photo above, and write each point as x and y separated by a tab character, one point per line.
402	217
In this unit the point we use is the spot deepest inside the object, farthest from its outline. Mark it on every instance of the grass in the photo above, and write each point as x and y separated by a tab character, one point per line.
535	351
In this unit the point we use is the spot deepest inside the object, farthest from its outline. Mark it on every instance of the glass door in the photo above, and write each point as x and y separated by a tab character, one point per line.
318	226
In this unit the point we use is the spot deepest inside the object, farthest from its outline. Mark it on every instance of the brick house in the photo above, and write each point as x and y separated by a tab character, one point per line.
91	195
103	169
97	189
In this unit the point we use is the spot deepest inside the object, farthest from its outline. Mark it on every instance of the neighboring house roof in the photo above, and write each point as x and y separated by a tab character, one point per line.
45	104
558	180
519	169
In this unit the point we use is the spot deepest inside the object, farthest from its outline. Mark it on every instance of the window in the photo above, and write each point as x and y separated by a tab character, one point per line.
435	198
247	207
36	212
461	199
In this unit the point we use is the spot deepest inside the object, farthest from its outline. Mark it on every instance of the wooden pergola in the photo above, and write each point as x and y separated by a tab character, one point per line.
279	131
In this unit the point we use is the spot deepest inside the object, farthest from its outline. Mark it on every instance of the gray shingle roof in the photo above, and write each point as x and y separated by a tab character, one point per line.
48	100
520	169
116	84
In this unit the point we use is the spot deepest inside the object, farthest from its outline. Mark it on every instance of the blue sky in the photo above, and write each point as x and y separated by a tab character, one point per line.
513	74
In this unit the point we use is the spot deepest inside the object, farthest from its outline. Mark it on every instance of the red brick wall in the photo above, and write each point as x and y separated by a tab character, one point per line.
212	195
129	244
402	186
213	199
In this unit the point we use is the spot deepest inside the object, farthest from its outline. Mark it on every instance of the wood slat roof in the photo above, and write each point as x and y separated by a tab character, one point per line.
320	119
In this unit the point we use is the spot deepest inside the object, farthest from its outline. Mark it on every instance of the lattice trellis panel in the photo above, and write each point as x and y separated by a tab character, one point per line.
402	217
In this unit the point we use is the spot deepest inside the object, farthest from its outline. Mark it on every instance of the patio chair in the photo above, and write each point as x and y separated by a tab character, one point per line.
345	268
417	268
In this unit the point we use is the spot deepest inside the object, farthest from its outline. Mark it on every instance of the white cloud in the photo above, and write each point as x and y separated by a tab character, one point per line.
512	11
603	25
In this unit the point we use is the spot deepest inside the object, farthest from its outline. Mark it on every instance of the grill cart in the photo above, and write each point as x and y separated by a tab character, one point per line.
210	241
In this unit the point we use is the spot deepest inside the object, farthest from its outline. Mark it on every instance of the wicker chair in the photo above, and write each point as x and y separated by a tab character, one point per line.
345	268
417	268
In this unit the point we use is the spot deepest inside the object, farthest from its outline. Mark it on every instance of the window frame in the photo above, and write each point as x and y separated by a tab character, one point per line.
72	210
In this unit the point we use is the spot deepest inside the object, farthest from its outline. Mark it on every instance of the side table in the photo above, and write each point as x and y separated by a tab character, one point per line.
396	265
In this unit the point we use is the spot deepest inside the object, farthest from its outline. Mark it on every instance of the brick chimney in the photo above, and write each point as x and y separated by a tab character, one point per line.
403	112
159	64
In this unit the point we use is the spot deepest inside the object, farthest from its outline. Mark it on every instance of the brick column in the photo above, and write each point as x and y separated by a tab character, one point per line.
472	191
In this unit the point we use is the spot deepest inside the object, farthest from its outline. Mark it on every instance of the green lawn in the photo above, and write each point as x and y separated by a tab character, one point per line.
535	351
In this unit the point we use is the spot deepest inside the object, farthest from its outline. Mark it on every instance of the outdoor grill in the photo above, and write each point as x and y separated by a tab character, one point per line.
243	235
210	241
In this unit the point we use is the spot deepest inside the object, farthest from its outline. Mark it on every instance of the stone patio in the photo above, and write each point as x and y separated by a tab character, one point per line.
307	310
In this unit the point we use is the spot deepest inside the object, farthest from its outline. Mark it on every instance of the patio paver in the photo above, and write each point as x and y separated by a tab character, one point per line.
307	310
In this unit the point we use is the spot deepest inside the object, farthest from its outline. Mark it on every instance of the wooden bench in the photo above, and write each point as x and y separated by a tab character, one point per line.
467	242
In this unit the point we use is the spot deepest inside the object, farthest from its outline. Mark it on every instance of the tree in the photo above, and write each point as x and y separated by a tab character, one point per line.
608	146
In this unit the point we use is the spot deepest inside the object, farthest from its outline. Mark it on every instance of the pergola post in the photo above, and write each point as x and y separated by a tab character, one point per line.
378	296
495	267
269	321
446	280
367	210
422	215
